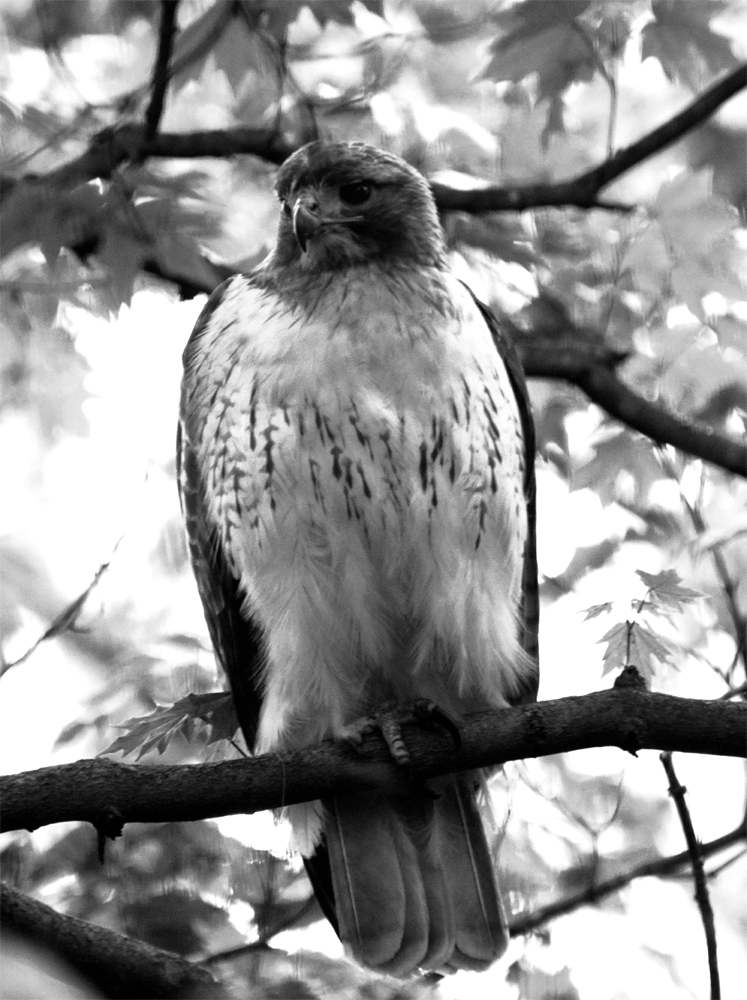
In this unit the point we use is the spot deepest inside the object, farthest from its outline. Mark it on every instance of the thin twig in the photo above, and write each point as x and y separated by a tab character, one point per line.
160	79
702	897
733	692
65	620
281	925
657	867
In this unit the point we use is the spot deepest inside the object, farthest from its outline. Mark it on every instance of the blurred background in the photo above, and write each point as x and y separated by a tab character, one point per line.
101	280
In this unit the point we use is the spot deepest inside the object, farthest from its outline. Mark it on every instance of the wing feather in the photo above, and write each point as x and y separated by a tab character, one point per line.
529	610
237	639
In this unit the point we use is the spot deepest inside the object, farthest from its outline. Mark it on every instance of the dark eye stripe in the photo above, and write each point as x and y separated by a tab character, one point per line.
355	194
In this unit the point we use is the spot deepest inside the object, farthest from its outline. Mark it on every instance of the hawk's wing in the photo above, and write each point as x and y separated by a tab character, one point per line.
529	610
237	639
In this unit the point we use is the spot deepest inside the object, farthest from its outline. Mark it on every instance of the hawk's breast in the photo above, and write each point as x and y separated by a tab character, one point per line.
363	461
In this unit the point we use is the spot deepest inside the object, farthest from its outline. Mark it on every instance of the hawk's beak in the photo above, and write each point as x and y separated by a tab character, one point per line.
307	219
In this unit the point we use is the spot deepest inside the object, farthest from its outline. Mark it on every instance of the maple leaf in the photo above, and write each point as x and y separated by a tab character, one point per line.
645	647
630	643
616	652
681	38
212	712
666	587
647	259
596	609
617	450
542	38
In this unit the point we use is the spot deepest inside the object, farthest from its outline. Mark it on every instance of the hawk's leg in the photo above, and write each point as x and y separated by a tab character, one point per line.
389	718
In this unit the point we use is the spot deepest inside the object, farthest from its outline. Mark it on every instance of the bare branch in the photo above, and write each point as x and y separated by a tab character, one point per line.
583	191
702	896
130	142
573	360
118	965
658	866
109	794
159	83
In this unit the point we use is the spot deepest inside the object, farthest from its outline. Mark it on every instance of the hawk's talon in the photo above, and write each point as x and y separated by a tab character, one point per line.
388	720
428	712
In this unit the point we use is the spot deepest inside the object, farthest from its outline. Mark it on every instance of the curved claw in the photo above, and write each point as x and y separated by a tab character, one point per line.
429	712
388	719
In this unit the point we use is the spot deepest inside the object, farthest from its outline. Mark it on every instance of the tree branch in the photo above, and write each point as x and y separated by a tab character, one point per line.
657	866
575	360
160	81
118	965
108	793
131	142
702	897
583	191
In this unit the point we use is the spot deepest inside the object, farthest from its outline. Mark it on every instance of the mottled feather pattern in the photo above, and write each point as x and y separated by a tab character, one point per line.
357	478
380	495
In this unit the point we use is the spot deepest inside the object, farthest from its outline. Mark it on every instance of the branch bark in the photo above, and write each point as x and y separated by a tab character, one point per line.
108	793
160	81
583	191
671	865
702	896
574	360
116	964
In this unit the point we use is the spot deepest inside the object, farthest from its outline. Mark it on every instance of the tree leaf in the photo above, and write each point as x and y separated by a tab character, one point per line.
619	454
541	38
646	648
123	251
667	588
214	712
647	259
616	652
596	610
681	38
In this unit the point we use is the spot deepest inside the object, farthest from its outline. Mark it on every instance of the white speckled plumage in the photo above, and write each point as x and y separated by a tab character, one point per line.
355	470
365	469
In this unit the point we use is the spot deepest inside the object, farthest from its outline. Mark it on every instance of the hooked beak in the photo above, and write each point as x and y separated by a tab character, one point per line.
308	219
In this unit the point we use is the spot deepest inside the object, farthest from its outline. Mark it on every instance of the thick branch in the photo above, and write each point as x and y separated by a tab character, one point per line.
574	361
583	191
130	142
118	965
109	794
166	33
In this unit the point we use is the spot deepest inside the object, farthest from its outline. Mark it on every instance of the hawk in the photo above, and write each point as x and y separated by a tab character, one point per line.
357	479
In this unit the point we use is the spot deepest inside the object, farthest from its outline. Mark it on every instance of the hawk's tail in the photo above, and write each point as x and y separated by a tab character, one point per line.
413	881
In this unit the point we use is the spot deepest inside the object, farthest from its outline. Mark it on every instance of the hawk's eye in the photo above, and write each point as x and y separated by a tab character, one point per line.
355	194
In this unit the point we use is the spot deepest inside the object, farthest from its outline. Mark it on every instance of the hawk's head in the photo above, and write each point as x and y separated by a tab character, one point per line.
347	203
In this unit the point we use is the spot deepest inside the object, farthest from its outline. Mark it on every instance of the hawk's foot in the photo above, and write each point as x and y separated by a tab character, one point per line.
388	720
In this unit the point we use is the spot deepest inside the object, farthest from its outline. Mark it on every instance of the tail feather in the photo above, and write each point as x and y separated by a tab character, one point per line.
380	902
413	880
481	932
